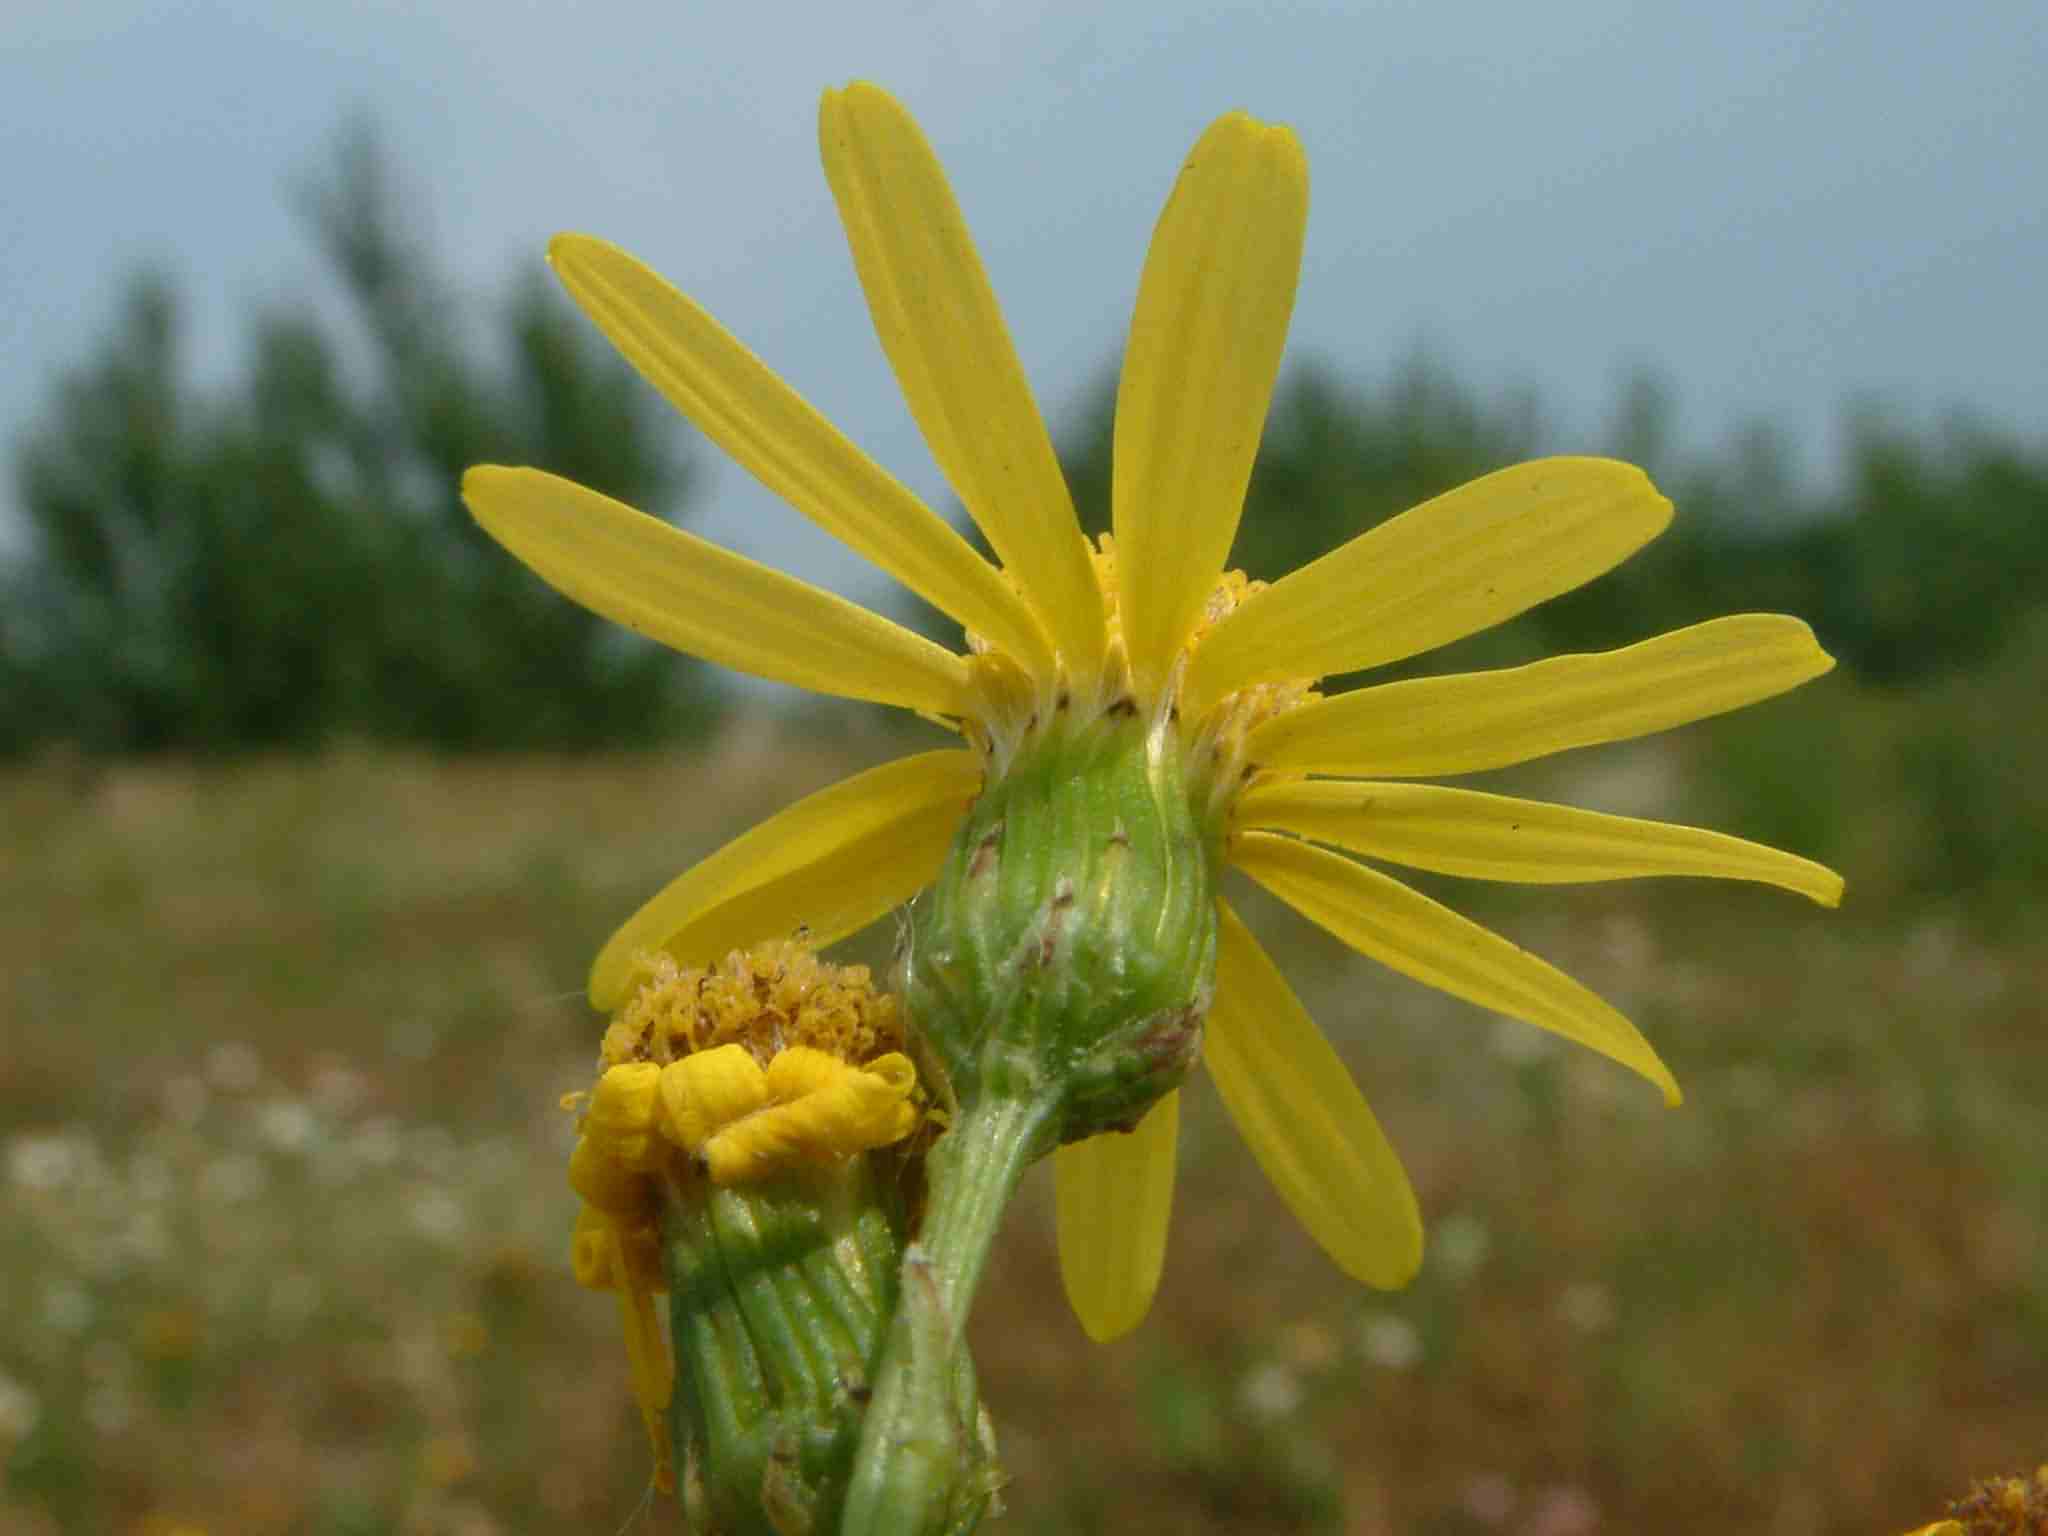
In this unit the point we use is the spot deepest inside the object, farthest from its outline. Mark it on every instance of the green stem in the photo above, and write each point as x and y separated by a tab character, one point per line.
922	1468
974	1170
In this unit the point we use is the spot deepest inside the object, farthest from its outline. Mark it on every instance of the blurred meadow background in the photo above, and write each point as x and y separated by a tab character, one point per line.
313	805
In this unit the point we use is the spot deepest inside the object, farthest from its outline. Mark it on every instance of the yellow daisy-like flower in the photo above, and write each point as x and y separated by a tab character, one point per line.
1151	626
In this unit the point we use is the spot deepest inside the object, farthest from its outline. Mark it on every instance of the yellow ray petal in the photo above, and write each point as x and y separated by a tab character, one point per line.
1303	1117
775	435
1198	373
1403	929
1113	1195
676	588
1463	562
835	861
1500	837
938	321
1476	720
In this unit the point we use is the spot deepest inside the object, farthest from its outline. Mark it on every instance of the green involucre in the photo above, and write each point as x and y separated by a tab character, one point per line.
1067	952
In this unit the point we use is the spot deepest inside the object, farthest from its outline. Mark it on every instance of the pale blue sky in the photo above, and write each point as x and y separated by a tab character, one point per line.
1780	205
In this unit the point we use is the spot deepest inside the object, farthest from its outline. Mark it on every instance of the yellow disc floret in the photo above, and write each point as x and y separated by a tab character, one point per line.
818	1106
703	1094
1998	1506
771	996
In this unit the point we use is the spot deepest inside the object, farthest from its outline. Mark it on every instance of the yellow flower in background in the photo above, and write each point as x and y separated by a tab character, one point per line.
1150	625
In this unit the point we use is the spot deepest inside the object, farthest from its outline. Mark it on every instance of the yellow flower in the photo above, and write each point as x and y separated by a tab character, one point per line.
1151	625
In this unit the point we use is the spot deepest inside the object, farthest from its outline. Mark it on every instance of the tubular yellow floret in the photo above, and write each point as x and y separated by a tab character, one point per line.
602	1242
702	1094
647	1355
822	1107
802	1070
607	1183
623	1113
896	1071
607	1254
590	1250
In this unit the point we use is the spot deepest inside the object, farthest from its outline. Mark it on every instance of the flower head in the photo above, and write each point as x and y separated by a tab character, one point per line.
770	1066
1146	638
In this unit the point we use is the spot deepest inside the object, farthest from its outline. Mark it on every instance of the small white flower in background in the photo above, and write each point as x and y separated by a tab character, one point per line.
110	1408
41	1163
1586	1306
19	1410
234	1067
1518	1046
1488	1498
146	1238
1564	1510
1461	1245
1630	946
338	1089
287	1125
1272	1391
438	1216
1390	1341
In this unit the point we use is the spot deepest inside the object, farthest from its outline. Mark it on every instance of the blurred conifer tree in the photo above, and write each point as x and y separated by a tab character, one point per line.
287	561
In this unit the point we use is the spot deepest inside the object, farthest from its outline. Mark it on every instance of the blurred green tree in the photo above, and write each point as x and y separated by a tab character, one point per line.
287	561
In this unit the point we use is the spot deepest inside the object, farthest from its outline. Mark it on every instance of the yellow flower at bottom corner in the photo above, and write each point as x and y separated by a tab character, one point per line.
1997	1506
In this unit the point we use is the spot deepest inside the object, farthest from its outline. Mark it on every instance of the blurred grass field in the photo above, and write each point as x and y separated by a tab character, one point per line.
287	1222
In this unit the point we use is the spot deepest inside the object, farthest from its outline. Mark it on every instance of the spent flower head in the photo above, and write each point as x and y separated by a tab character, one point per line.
1134	717
723	1148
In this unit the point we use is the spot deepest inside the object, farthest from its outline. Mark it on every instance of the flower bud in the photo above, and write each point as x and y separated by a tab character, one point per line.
607	1183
